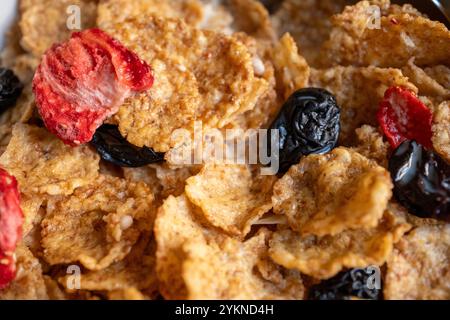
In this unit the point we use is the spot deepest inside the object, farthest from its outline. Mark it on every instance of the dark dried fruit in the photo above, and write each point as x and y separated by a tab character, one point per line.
402	116
11	220
354	283
10	89
421	181
114	148
308	123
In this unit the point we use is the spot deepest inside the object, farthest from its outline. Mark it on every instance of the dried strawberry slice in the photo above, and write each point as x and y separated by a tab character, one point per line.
81	82
7	270
11	220
402	116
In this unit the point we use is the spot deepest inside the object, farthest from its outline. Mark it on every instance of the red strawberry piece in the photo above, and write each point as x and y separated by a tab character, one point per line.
402	116
81	82
11	220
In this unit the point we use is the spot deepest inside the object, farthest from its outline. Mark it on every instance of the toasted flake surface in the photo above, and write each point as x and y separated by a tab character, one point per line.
88	225
419	267
441	129
126	294
401	36
21	112
324	257
44	23
328	194
29	282
440	73
268	103
427	85
207	75
175	224
358	92
115	11
172	178
371	145
137	270
30	204
226	271
164	179
23	65
231	197
291	68
251	17
41	163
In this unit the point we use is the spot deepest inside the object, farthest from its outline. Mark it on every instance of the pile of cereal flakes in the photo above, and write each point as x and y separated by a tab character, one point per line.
95	230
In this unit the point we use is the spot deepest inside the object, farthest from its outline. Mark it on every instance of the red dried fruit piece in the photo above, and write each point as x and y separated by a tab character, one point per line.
11	220
402	116
83	81
130	69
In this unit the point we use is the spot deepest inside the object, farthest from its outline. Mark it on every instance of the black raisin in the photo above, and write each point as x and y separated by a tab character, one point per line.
354	283
421	181
308	123
10	89
114	148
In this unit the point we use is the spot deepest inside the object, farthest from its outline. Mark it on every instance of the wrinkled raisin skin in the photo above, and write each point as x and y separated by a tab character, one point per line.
421	181
10	89
308	123
114	148
346	285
